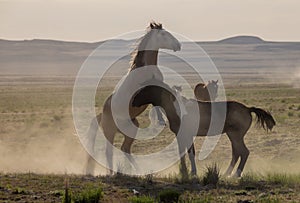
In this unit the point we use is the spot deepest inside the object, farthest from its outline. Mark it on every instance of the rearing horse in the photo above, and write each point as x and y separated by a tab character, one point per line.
145	55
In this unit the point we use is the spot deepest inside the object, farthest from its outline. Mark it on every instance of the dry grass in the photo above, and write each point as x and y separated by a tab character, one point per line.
252	187
38	120
37	135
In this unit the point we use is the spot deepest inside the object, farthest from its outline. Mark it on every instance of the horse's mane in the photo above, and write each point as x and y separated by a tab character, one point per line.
134	54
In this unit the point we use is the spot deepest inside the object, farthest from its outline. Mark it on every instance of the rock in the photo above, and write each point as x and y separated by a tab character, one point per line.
250	188
135	192
245	201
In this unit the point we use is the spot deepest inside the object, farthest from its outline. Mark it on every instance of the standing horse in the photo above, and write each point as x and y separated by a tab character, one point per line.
145	55
238	121
207	92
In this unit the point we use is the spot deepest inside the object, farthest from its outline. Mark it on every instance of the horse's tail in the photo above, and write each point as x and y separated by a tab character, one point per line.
264	118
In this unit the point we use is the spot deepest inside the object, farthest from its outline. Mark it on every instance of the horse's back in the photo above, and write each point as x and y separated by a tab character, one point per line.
238	116
218	117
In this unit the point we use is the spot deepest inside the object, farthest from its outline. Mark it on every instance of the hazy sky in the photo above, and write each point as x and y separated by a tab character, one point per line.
95	20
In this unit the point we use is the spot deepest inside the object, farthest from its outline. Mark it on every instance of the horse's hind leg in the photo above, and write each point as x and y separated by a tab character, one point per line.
109	150
126	146
109	131
127	143
239	149
243	152
234	159
91	136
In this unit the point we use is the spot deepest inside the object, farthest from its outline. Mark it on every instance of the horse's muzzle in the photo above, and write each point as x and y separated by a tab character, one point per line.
177	47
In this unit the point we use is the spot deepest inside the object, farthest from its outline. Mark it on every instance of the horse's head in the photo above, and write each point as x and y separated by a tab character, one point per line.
158	38
212	87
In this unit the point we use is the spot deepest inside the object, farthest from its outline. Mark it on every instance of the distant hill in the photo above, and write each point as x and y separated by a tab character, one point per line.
242	40
53	57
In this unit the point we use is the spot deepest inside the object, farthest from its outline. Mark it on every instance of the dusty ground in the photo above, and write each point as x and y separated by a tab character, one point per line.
50	188
37	136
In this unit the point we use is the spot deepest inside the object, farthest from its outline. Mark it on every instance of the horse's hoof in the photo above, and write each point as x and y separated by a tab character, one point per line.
193	174
237	174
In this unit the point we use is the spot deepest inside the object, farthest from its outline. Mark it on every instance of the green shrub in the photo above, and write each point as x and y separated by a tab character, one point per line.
206	199
284	179
19	190
249	181
89	195
168	196
67	196
141	199
148	178
212	175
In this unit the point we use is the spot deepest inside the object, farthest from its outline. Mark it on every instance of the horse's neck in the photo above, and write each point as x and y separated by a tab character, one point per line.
169	107
172	116
145	58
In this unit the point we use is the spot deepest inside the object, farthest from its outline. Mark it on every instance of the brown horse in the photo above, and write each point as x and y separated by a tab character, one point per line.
145	55
237	122
206	92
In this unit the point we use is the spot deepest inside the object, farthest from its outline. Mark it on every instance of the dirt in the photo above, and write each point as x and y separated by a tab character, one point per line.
118	188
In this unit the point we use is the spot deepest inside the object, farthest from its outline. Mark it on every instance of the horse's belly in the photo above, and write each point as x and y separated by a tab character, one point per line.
207	127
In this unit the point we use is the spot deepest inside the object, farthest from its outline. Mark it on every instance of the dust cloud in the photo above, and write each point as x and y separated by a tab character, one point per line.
43	153
296	78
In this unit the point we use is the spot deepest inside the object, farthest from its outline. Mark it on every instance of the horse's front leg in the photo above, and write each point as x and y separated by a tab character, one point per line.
191	152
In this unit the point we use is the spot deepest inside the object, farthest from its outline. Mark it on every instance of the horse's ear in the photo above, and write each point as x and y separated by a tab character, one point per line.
159	26
216	81
151	26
